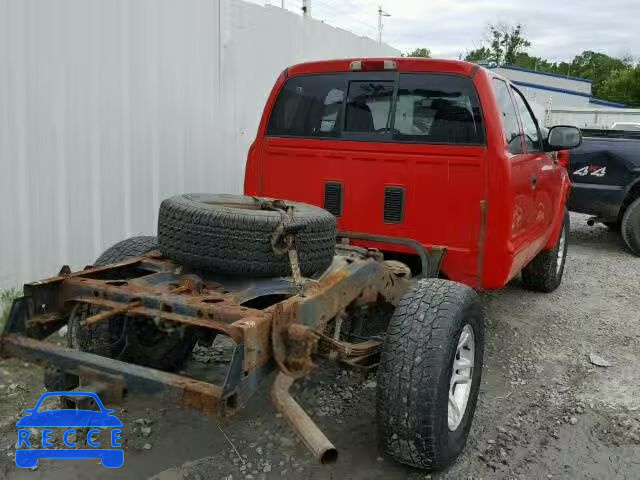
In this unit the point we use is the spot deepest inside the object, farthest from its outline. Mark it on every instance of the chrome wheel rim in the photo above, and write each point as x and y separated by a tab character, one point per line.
561	245
461	378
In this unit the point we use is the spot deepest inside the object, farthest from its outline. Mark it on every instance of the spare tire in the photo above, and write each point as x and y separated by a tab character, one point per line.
235	234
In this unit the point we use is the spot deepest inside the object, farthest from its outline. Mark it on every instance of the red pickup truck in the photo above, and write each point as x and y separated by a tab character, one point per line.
439	165
440	151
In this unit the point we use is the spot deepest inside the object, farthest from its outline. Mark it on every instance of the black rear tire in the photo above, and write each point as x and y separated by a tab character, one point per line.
544	274
630	227
116	337
135	340
415	372
233	234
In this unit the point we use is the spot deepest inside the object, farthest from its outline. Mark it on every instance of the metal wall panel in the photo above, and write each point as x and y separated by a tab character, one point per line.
592	117
109	106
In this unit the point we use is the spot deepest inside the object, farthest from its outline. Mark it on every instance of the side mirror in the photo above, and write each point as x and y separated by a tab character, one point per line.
563	137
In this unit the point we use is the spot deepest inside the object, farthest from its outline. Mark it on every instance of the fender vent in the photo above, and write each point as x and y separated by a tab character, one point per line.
393	204
333	198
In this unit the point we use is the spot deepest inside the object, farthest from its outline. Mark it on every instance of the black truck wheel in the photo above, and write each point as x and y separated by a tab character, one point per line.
135	340
544	273
631	227
115	337
235	234
429	374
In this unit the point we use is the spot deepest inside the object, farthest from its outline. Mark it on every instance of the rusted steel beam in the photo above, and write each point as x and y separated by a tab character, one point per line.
213	305
361	280
98	317
90	271
229	330
46	318
136	379
305	428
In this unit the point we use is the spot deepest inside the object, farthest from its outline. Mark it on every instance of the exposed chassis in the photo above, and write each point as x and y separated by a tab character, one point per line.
283	336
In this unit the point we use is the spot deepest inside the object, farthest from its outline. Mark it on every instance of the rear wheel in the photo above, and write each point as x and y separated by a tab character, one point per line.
544	273
631	227
136	340
429	374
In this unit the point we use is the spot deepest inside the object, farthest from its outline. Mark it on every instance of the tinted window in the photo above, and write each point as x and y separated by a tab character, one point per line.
308	106
430	108
368	106
529	124
434	108
509	116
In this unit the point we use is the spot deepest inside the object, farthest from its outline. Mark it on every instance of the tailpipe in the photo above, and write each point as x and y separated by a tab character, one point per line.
305	428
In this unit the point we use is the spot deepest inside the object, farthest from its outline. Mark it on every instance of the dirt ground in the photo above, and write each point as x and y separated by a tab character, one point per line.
545	410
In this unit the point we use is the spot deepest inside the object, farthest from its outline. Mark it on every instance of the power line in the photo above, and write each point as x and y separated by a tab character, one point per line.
341	15
345	17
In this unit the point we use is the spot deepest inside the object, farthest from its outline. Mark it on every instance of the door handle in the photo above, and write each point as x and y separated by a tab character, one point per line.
534	180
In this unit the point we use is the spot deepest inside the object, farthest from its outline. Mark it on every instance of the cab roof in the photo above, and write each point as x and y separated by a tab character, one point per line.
403	64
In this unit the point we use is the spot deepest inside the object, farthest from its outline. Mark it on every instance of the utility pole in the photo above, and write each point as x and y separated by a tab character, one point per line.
306	8
381	14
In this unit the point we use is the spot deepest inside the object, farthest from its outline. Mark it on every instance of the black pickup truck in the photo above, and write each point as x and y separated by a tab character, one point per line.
605	177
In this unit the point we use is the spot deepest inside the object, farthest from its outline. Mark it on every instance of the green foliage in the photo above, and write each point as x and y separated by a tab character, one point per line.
502	45
614	79
6	299
418	52
622	86
482	54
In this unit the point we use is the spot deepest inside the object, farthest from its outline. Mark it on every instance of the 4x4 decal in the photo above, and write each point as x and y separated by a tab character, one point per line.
594	170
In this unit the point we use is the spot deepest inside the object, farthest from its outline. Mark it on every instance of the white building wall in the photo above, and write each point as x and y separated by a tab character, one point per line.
553	99
109	106
541	78
592	117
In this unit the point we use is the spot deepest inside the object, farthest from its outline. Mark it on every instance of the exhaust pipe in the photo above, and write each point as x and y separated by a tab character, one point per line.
305	428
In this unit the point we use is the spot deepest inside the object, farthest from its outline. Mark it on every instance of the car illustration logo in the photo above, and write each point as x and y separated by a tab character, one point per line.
102	435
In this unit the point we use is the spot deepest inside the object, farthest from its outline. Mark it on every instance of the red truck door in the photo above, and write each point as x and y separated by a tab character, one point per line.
525	227
547	184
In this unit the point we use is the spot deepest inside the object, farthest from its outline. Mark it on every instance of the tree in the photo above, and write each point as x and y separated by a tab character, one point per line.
525	60
482	54
502	45
622	86
597	67
419	52
615	79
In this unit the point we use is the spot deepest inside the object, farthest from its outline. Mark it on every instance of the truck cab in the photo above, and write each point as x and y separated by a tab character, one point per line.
443	152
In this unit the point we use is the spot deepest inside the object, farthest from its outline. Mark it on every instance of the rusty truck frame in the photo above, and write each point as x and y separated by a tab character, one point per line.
281	336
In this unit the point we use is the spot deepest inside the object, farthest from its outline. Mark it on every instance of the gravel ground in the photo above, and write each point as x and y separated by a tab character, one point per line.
545	410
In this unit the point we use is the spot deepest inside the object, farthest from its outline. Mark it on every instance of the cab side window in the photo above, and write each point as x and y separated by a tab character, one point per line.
511	128
532	138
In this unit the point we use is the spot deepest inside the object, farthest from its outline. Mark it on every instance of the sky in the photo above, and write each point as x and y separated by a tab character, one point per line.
558	30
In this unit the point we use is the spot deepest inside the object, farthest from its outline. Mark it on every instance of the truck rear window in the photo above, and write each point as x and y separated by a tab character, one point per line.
412	107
